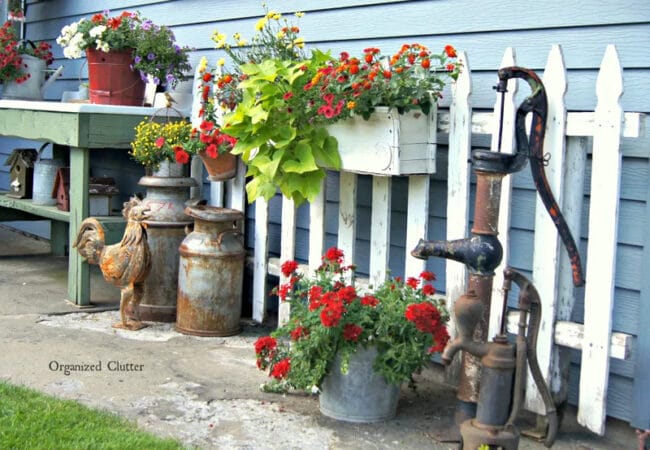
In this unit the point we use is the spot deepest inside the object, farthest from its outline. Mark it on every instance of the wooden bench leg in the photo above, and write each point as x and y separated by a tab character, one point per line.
58	237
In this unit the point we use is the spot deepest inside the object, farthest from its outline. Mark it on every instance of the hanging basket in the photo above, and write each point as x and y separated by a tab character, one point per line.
111	79
221	168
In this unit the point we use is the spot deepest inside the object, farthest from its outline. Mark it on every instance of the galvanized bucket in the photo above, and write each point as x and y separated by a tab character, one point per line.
211	273
44	177
360	395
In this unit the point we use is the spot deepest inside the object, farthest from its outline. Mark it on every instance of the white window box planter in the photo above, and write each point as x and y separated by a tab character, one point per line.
388	143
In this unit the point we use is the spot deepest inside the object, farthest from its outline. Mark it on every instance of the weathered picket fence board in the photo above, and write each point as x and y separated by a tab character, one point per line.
568	136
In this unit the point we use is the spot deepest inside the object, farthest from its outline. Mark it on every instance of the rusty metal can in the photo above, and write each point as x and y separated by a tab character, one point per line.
167	192
210	273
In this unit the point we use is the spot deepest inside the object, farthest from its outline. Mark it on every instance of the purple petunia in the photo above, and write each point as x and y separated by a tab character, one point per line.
151	56
170	78
147	25
137	59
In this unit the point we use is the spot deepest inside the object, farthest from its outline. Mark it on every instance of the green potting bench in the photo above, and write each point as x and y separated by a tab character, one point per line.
77	128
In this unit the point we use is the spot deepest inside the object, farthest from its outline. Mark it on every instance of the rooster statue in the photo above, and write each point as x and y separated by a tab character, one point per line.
125	264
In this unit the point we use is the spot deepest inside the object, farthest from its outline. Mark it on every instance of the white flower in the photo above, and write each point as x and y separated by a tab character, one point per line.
97	31
315	390
103	46
72	52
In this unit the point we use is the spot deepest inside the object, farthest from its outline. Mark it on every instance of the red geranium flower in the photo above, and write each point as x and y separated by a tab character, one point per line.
425	316
428	289
299	332
428	276
347	294
181	155
334	255
160	142
369	300
281	369
351	332
265	344
288	267
330	316
413	282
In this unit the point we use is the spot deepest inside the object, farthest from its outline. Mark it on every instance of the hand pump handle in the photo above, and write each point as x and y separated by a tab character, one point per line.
532	146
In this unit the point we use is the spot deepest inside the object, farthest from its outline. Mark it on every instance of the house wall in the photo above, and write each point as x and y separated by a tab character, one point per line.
582	28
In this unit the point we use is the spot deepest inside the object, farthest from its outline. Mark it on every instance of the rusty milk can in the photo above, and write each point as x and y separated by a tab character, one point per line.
167	192
211	273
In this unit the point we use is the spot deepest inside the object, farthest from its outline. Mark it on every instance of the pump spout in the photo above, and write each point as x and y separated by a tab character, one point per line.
481	253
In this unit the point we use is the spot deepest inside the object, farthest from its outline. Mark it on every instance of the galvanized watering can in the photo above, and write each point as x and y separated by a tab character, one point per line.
34	87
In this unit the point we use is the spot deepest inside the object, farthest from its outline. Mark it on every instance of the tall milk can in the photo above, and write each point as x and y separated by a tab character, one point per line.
211	273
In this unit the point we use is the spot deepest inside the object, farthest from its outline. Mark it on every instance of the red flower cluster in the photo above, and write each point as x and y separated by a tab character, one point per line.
208	139
265	350
425	316
11	61
333	255
288	267
281	369
360	84
329	317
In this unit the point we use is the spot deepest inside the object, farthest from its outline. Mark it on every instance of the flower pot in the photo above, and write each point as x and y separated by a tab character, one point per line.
221	168
111	79
388	143
360	395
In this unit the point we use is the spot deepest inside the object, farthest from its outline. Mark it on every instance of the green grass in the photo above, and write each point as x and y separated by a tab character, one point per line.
30	420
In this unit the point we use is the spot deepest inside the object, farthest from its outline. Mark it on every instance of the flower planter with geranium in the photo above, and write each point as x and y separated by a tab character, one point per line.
23	65
400	322
295	116
123	53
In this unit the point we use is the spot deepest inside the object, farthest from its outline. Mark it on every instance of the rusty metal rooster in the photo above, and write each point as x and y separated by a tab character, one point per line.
125	264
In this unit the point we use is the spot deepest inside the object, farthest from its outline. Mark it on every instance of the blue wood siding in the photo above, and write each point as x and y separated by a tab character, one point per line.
582	28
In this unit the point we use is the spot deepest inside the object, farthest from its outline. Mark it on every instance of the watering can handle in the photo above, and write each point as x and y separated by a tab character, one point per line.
532	146
40	150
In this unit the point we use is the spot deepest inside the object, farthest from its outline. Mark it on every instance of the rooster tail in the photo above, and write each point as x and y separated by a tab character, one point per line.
90	240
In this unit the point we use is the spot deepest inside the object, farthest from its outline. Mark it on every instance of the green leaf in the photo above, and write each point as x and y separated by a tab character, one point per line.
304	160
258	114
258	187
267	165
328	156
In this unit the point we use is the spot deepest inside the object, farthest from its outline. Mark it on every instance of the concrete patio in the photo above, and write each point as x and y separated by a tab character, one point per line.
202	391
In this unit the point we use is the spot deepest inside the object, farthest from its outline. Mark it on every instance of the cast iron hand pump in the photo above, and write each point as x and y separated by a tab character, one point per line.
482	253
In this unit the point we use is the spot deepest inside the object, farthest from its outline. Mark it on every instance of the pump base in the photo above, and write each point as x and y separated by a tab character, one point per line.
474	435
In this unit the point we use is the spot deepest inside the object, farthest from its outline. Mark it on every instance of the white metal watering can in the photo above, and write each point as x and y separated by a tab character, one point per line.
34	87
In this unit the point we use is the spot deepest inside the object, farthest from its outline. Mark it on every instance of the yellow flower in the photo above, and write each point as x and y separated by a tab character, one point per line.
242	42
219	39
299	14
351	105
273	15
281	34
299	42
259	26
203	64
221	62
236	36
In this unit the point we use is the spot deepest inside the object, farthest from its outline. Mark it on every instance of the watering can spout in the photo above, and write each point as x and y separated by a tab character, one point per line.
50	80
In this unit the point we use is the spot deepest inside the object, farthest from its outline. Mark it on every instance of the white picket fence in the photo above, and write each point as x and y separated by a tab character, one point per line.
566	141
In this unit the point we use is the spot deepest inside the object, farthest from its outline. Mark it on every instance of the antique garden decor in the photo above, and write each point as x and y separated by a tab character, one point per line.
125	264
483	416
